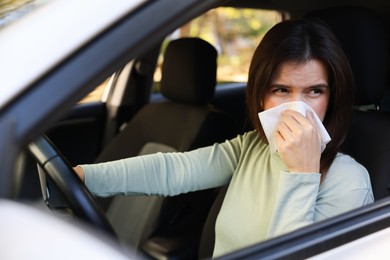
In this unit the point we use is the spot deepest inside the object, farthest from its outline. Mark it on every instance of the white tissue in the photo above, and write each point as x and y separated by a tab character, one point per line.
270	118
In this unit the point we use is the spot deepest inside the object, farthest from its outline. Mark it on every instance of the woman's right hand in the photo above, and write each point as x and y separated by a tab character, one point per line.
80	172
299	142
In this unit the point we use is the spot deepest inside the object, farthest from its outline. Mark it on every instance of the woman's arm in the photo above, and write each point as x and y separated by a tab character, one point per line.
302	199
164	174
295	202
346	186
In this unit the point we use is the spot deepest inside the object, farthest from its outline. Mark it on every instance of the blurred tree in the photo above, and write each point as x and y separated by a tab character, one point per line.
235	33
12	10
10	5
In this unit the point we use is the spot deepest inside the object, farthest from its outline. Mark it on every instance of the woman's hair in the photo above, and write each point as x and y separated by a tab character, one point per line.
301	41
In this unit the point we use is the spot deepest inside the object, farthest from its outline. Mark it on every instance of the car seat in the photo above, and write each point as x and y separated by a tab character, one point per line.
364	40
182	122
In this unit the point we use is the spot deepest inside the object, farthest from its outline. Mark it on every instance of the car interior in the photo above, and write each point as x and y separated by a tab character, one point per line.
192	110
188	83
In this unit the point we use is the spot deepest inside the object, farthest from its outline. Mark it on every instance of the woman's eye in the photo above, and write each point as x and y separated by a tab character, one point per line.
316	91
279	90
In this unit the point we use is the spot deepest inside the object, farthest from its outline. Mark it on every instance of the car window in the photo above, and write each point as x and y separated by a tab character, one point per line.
235	33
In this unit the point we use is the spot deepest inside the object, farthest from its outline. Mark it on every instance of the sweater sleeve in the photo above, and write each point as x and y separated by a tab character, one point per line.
346	186
303	199
295	202
165	174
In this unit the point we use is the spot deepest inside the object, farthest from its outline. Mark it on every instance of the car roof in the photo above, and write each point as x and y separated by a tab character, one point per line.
43	38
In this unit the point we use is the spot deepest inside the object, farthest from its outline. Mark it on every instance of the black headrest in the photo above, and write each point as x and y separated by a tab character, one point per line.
364	39
189	71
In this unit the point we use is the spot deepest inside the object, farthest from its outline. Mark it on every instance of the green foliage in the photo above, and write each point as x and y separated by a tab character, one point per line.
235	33
10	5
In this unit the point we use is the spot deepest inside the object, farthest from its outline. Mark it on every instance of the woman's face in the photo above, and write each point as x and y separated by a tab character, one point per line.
307	82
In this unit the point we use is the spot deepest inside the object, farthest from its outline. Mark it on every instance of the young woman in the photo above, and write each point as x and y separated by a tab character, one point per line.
269	193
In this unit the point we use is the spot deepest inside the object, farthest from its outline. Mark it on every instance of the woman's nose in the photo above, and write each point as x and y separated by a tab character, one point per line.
297	97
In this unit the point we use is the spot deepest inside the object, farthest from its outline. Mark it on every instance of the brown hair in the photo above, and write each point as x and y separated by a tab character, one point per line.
301	41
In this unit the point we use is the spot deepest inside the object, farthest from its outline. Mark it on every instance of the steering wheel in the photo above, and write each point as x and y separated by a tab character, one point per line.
63	180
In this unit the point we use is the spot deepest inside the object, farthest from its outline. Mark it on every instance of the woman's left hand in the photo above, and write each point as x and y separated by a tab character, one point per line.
299	142
80	172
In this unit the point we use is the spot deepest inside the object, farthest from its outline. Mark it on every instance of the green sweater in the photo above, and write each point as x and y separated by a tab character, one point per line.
263	199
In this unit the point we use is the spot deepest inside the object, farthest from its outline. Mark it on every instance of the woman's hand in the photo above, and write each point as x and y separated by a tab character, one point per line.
299	142
80	172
